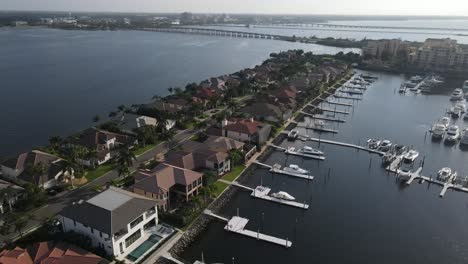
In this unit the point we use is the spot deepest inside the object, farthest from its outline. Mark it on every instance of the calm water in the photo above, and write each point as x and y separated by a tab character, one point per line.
358	214
54	81
356	33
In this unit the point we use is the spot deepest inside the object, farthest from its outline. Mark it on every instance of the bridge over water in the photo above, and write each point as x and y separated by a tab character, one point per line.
218	32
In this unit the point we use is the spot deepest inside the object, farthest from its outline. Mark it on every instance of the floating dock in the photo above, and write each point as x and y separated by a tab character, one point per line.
237	225
279	171
262	192
320	117
346	145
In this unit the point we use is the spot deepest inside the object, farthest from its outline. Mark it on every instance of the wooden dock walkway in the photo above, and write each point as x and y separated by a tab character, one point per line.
316	128
350	91
347	145
325	118
331	110
337	103
262	192
237	225
414	175
210	213
346	97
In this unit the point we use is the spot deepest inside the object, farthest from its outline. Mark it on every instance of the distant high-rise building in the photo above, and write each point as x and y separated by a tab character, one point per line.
439	54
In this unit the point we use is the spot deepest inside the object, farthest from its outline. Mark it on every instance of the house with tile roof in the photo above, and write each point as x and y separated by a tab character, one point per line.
246	130
115	220
267	111
35	167
167	180
50	253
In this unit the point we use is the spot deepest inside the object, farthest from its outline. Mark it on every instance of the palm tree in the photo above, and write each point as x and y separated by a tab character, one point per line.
68	168
125	161
232	105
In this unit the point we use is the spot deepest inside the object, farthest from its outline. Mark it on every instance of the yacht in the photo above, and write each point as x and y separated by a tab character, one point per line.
283	196
410	156
425	88
295	169
446	175
399	149
416	78
455	112
404	172
402	89
388	158
464	139
438	131
445	121
373	143
457	95
311	151
453	134
465	86
461	106
385	145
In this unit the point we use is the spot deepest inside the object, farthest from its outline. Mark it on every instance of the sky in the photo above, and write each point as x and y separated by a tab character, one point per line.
348	7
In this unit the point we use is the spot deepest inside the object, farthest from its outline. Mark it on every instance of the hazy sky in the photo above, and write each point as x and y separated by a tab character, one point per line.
358	7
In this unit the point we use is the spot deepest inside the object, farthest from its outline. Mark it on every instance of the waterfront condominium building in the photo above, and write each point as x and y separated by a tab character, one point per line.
439	55
115	220
384	48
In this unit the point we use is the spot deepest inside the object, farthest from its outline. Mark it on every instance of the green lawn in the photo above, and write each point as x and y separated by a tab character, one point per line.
231	176
220	187
142	150
98	172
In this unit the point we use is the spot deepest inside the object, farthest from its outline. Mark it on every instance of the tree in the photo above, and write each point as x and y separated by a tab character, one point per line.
55	142
19	222
96	118
125	161
236	157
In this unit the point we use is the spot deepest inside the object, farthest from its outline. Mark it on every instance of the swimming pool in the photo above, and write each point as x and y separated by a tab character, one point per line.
143	248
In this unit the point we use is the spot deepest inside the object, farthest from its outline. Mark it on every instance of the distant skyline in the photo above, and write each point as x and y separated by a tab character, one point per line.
330	7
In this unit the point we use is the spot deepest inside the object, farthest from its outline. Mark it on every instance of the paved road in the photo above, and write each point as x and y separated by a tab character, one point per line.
56	204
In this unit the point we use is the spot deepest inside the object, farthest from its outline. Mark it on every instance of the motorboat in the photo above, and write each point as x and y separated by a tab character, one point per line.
453	133
445	121
402	89
404	171
283	196
416	78
388	158
373	143
295	169
410	156
446	175
438	131
311	151
319	123
385	145
457	95
461	106
293	134
455	112
464	139
399	149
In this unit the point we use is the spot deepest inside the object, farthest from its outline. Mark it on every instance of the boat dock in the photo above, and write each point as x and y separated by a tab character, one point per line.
355	87
346	145
331	110
414	175
337	103
346	97
262	192
320	117
279	171
237	224
350	91
316	128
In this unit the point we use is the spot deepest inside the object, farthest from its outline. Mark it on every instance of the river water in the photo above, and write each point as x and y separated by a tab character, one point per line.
54	81
358	213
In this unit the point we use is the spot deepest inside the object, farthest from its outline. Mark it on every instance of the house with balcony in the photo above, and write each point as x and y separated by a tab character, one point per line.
167	182
115	220
246	130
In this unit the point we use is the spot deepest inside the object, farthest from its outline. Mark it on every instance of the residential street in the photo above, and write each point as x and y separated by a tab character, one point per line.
57	203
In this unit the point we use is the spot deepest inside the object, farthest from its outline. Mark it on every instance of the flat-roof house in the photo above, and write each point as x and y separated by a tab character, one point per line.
115	220
164	180
22	169
50	253
246	130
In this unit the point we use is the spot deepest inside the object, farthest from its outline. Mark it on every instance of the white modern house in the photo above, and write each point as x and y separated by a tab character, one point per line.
116	220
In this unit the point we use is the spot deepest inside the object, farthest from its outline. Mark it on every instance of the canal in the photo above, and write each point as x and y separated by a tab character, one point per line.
358	213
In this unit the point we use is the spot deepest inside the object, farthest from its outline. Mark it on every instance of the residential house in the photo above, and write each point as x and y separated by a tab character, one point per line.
285	96
50	253
128	123
267	112
246	130
302	84
200	159
36	167
171	105
115	220
101	141
204	95
10	194
214	83
166	180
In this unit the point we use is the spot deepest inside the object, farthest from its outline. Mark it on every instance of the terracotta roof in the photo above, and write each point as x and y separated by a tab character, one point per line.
15	256
222	144
34	157
243	126
163	177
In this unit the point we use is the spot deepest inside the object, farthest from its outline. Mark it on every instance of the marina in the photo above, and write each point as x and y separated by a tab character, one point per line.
342	144
325	118
337	103
315	128
324	109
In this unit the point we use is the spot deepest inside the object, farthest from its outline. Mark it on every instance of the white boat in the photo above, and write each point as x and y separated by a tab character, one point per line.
464	139
410	156
311	151
319	123
388	158
373	143
453	134
295	169
293	134
404	172
402	89
385	145
416	78
457	95
283	196
438	131
455	112
446	175
445	121
465	86
461	106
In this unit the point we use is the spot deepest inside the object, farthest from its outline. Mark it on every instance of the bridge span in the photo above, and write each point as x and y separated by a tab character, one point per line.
218	32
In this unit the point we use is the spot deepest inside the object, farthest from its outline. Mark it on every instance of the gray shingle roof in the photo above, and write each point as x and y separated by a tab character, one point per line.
109	211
